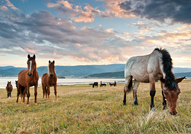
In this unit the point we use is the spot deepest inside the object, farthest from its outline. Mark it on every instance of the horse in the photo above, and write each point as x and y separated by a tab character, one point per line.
94	84
113	84
102	84
9	89
28	78
148	69
49	79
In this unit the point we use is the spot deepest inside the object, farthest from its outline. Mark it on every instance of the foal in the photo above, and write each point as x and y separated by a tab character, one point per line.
9	89
48	80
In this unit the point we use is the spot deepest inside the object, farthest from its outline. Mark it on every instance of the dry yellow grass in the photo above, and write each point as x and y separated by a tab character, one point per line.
83	109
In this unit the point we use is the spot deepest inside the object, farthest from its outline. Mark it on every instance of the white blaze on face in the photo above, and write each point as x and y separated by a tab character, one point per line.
30	66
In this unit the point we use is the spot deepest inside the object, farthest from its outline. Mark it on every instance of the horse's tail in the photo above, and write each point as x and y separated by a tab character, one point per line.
129	89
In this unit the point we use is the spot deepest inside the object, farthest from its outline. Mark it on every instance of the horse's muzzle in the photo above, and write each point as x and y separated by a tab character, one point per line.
29	74
173	113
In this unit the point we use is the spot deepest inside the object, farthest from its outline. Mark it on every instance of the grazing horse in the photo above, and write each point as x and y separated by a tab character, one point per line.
101	84
94	84
148	69
28	78
9	89
113	84
48	80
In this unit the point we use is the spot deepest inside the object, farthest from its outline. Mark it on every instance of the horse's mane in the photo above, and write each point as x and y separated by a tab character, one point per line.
170	81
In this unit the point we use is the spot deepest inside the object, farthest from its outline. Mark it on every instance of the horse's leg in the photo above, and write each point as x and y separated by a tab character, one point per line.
24	92
164	99
135	87
48	91
35	92
18	92
44	90
127	81
28	94
55	91
152	89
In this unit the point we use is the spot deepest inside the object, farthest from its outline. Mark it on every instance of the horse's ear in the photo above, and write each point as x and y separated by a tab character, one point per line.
28	56
53	61
49	61
180	79
162	80
34	56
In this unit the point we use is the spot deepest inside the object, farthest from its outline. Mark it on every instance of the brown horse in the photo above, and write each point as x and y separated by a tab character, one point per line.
148	69
101	84
113	84
48	80
28	78
9	89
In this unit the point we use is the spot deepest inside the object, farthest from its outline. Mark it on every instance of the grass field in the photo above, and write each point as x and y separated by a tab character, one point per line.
83	109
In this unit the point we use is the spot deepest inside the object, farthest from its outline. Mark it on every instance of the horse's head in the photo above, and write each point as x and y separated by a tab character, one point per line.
8	83
31	64
51	68
171	95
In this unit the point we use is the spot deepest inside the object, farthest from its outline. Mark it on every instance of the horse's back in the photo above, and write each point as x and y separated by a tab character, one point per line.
141	66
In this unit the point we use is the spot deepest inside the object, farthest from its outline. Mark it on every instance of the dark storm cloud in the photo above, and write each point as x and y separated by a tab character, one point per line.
176	10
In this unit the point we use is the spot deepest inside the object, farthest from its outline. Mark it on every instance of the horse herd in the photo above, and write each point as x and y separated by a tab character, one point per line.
103	84
30	77
148	69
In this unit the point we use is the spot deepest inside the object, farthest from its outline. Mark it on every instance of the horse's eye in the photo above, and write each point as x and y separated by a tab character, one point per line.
165	93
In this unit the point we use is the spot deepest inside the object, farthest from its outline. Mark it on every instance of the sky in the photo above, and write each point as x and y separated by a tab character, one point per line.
93	32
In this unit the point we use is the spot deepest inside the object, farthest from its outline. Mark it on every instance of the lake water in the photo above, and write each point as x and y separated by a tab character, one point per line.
67	81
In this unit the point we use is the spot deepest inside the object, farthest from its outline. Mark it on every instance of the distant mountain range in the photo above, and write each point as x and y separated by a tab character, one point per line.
112	70
120	74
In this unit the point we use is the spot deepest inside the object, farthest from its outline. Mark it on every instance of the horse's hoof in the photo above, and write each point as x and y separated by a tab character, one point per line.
136	103
153	109
164	107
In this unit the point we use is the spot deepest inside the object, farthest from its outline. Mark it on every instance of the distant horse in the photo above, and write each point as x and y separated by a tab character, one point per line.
113	84
94	84
28	78
148	69
49	79
9	89
101	84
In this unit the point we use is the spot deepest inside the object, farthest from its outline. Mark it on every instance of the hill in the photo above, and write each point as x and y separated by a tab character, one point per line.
120	74
112	70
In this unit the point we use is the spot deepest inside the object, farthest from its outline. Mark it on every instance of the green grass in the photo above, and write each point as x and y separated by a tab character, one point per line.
83	109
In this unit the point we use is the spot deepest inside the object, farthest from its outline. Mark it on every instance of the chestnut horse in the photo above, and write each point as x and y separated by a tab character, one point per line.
101	84
28	78
113	84
9	89
148	69
48	80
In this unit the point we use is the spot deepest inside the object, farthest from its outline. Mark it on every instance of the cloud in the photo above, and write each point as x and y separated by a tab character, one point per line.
174	10
9	4
50	36
3	8
87	14
113	9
